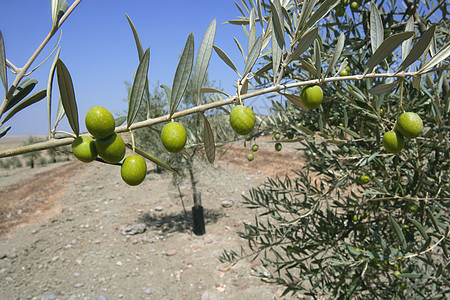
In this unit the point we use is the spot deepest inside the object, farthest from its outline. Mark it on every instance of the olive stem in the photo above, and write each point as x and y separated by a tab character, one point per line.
132	142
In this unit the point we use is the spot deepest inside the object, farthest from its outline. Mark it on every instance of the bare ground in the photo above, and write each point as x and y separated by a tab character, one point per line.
62	228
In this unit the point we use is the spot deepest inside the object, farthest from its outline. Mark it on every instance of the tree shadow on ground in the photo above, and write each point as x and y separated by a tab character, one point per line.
176	222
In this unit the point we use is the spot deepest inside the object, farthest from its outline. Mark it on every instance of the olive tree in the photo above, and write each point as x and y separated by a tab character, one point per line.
368	215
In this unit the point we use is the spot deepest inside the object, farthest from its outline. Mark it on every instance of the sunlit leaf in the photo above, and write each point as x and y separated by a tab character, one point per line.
3	73
259	11
318	58
376	28
119	121
25	87
319	14
182	74
252	32
440	56
208	139
137	89
277	36
167	91
337	53
4	131
51	76
212	90
253	56
153	159
386	48
203	57
59	7
25	103
307	9
137	40
67	95
383	88
59	112
225	58
419	48
304	43
406	45
240	8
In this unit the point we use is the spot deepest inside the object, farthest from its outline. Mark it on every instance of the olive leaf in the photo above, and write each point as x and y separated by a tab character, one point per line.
277	36
51	75
208	139
67	96
182	74
4	131
238	44
23	104
253	56
152	159
138	87
399	232
167	90
22	90
307	8
296	100
59	113
337	53
213	90
386	48
3	73
318	14
437	58
225	59
304	42
376	28
119	121
203	57
419	48
383	88
318	58
59	7
252	32
406	45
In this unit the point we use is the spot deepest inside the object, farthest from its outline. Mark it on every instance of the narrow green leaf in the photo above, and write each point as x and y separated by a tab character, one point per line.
3	73
296	100
59	112
252	31
264	69
419	48
351	132
203	57
58	7
182	74
253	56
307	9
304	42
168	92
119	121
212	90
406	45
67	96
386	48
440	56
137	40
308	67
259	11
24	88
51	76
383	88
376	28
434	221
420	228
319	14
208	139
137	89
153	159
318	58
415	276
337	53
25	103
238	44
399	232
225	58
277	35
4	131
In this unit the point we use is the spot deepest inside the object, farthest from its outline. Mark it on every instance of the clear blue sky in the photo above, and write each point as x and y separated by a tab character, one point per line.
98	48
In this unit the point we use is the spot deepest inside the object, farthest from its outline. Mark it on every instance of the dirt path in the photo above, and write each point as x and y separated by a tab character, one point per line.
79	251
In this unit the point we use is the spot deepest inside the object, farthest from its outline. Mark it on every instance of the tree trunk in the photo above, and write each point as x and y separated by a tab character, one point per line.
198	217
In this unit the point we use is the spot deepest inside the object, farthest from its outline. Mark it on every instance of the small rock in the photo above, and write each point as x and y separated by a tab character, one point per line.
49	297
148	291
134	229
171	252
100	187
102	297
205	296
159	208
227	204
119	263
78	285
55	258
